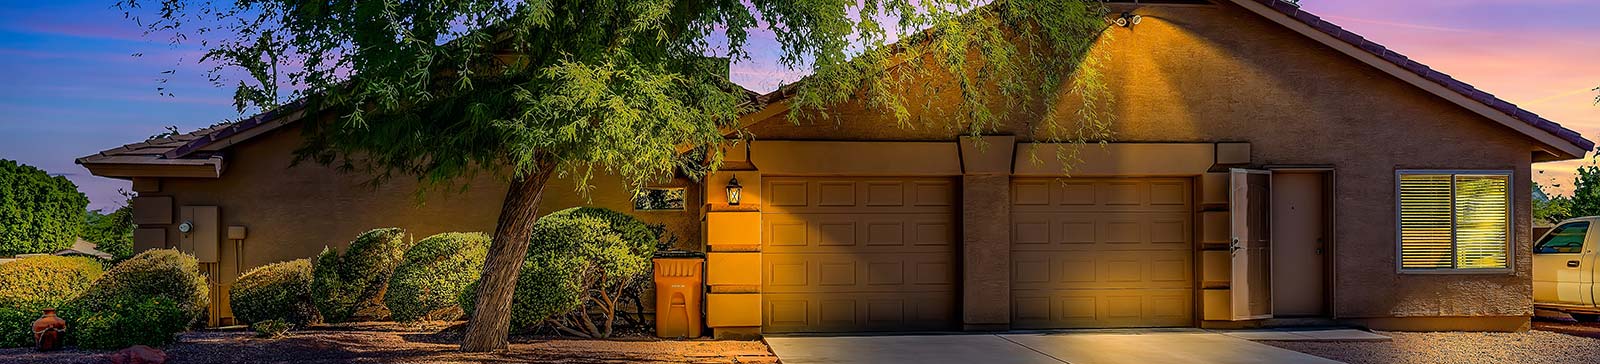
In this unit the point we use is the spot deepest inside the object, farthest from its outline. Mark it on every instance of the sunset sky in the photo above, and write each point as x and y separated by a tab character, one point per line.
74	87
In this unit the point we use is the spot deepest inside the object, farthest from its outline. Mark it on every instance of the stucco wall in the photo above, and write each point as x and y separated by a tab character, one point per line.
293	212
1219	73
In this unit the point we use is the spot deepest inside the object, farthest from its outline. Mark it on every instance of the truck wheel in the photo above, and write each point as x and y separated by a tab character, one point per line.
1585	317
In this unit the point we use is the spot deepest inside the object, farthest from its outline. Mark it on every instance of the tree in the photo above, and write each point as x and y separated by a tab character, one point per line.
1586	192
1550	209
530	90
39	213
112	233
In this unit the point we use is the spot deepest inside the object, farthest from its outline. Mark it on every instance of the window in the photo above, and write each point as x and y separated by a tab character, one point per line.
659	199
1454	220
1564	239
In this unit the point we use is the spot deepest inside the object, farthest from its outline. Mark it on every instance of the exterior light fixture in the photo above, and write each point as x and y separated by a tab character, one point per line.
1128	20
735	191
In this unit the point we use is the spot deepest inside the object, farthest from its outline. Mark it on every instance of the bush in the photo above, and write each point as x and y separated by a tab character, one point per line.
342	285
579	256
278	291
30	285
41	213
124	321
144	300
435	272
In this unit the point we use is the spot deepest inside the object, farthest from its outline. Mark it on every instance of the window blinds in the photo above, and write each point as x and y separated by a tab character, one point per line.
1454	221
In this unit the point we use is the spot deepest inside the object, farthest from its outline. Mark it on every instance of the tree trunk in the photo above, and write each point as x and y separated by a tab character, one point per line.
491	316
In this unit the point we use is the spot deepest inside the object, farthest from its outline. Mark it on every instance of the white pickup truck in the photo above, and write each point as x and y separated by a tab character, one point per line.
1565	269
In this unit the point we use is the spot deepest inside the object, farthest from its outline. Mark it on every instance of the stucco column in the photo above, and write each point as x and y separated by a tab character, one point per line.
986	233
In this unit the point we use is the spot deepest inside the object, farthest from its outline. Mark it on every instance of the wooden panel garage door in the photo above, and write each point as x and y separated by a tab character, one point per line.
845	254
1101	253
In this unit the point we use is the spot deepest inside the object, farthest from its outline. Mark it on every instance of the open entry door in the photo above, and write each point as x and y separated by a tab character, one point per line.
1250	209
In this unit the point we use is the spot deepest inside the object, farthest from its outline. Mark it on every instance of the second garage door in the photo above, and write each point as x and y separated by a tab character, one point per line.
1101	253
843	254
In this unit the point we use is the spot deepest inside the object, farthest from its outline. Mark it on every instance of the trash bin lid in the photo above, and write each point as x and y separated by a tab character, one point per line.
679	254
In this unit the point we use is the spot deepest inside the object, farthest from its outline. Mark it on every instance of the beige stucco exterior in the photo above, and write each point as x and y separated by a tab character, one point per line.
1198	90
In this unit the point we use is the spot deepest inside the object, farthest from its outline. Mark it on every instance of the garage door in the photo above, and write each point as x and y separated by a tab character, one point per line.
1101	253
844	254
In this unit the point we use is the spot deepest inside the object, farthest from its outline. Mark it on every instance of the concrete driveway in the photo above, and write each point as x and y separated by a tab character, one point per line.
1181	346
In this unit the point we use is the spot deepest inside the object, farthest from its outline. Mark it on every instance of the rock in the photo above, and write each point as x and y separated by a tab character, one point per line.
138	354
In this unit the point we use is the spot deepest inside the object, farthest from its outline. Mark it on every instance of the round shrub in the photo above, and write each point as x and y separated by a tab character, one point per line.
434	273
143	300
355	281
30	285
41	213
574	255
278	291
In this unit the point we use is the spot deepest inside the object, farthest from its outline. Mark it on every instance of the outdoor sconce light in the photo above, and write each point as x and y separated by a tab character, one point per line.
734	191
1128	20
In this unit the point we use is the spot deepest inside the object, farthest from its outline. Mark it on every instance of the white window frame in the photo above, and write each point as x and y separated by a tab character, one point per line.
1511	218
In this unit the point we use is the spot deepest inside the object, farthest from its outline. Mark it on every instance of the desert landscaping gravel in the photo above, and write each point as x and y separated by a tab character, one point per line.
1532	347
394	343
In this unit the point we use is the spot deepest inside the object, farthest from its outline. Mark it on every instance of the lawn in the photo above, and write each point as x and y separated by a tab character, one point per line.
386	342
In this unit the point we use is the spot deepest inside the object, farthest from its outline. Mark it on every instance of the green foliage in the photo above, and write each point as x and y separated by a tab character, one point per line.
272	329
1549	209
145	300
427	285
156	273
443	89
112	233
40	213
343	285
126	320
275	292
579	262
30	285
1586	192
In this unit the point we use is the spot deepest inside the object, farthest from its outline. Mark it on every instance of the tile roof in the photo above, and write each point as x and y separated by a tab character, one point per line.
1425	72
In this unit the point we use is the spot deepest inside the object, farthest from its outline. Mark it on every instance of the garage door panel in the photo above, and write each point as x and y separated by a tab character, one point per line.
1106	269
1102	308
846	254
843	272
1093	231
1101	253
806	312
861	233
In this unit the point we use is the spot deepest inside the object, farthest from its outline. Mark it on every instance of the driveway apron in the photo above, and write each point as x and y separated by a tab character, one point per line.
1075	347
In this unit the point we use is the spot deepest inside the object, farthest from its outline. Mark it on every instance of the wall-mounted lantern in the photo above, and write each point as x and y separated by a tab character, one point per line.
734	191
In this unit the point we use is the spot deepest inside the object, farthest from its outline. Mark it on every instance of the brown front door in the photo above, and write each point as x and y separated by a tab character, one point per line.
1111	252
1299	244
843	254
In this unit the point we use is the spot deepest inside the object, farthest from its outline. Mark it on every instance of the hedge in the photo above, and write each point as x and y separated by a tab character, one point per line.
143	300
30	285
573	254
355	281
435	272
278	291
41	213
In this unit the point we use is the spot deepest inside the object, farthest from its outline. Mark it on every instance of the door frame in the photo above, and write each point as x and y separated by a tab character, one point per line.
1330	204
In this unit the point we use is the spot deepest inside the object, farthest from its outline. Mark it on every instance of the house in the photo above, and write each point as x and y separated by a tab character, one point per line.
1269	168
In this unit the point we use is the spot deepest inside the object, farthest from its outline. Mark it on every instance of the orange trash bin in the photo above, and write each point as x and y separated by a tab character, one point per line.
678	288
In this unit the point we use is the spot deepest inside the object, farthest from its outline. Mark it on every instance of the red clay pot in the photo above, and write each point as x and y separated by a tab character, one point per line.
47	331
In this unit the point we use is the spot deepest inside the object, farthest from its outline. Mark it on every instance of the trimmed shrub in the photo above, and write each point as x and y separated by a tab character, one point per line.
143	300
344	284
42	214
123	321
435	272
278	291
579	256
30	285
